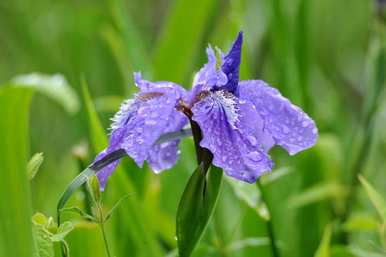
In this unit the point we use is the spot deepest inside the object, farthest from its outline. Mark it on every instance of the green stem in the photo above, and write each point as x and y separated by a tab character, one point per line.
102	226
269	225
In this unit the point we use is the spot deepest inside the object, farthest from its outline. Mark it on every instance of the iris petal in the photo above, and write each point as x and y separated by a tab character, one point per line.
231	64
209	76
290	127
223	120
141	121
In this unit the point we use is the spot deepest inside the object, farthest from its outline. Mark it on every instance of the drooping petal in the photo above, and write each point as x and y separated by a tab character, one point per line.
290	127
163	156
209	76
139	124
232	139
127	109
231	63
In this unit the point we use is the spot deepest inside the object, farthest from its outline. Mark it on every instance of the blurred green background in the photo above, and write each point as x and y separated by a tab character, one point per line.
327	56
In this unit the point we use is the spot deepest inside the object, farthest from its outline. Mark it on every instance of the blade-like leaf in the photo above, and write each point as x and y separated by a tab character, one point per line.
324	246
55	87
196	206
15	198
318	193
376	198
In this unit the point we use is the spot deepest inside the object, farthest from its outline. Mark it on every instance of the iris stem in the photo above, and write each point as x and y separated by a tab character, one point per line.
268	222
107	248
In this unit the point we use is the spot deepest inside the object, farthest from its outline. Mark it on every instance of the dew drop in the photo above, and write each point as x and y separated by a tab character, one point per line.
314	131
142	110
254	156
150	122
252	140
305	124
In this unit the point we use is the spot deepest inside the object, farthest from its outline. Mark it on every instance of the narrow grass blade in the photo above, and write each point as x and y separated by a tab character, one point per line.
15	198
55	87
375	197
324	246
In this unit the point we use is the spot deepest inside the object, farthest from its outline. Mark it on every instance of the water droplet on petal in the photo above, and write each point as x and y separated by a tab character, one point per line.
305	123
254	156
252	140
314	131
150	122
142	110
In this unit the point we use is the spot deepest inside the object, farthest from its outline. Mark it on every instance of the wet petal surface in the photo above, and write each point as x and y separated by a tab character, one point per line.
223	121
289	126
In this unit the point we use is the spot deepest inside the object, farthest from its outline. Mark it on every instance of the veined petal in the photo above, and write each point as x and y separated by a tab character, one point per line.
141	121
290	127
227	133
163	156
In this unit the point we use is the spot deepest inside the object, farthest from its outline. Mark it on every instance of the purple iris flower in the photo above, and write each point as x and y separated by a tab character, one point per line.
242	120
141	121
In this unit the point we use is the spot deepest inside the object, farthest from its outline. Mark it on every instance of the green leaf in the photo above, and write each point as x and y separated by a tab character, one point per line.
63	230
317	193
55	87
79	211
44	244
181	37
15	198
248	242
361	222
196	206
108	103
39	219
98	135
376	198
34	165
110	213
94	188
324	246
250	194
74	185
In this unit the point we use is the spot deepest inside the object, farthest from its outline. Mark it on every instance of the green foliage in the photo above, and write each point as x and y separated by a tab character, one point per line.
324	246
17	211
196	207
55	87
376	198
47	232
